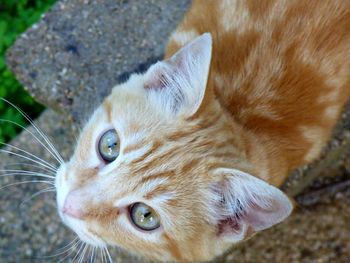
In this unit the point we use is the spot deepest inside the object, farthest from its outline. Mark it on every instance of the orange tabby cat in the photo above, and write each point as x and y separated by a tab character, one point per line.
182	162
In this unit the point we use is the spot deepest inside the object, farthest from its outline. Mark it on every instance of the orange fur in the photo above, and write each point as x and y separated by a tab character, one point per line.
279	78
272	71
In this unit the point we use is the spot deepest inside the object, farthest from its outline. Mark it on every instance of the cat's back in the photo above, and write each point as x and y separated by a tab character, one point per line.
282	68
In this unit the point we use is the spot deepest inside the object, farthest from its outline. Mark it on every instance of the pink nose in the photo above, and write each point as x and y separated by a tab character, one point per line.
73	205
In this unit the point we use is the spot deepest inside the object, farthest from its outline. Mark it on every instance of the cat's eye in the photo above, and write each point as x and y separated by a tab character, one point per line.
144	217
108	146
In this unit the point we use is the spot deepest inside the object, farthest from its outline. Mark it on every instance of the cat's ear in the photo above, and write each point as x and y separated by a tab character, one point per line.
177	85
245	205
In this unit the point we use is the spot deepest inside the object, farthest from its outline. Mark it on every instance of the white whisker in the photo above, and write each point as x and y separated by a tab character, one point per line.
109	255
83	253
22	172
46	139
90	254
80	248
93	256
74	241
31	165
105	254
35	137
27	158
72	249
30	154
71	245
26	182
46	190
102	255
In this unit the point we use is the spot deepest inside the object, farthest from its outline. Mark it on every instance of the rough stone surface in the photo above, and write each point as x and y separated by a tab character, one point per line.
82	48
71	60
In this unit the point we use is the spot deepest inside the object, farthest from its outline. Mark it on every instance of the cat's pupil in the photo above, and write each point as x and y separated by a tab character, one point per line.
108	146
112	146
147	214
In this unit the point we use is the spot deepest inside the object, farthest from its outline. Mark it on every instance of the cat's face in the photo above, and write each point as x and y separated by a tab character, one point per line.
156	172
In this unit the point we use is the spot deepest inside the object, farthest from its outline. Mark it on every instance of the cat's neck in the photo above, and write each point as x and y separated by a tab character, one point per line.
257	153
264	154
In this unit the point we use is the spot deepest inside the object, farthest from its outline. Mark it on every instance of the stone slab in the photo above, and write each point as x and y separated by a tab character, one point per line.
80	49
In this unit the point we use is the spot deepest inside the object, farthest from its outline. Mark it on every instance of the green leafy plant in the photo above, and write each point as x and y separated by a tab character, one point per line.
15	17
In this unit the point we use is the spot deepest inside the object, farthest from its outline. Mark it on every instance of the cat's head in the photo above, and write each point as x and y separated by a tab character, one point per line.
158	169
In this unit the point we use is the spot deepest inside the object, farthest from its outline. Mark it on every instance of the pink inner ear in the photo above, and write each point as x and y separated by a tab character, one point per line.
232	223
248	205
259	217
255	216
229	225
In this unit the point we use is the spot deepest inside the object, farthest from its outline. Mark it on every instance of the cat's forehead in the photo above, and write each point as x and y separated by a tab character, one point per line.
119	114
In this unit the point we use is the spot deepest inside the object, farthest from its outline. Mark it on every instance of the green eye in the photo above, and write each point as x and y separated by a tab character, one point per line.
144	217
108	146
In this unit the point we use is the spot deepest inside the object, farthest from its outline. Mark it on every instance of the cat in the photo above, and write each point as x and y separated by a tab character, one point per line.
184	161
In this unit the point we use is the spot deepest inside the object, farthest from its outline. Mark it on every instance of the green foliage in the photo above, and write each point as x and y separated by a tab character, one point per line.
15	17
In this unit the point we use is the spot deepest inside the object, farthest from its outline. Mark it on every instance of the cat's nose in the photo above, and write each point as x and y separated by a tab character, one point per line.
73	205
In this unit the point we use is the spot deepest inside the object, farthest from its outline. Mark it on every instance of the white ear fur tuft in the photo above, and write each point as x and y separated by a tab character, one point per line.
248	204
177	85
